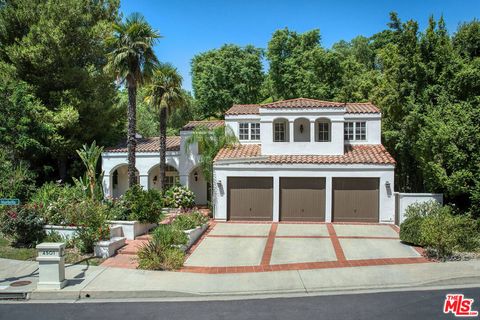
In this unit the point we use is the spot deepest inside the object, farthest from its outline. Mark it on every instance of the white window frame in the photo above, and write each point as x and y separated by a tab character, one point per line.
280	132
321	133
244	131
249	131
352	129
254	131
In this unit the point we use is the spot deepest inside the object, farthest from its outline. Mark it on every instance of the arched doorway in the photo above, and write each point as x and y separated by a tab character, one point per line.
172	177
119	180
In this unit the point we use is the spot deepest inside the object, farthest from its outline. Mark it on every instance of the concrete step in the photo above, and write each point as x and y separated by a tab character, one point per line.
107	248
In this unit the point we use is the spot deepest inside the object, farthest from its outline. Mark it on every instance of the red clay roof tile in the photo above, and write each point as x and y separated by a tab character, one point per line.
354	154
209	124
148	145
351	107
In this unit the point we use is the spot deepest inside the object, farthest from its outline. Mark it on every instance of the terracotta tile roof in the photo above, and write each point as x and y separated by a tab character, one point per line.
210	124
351	107
354	154
362	107
148	145
238	109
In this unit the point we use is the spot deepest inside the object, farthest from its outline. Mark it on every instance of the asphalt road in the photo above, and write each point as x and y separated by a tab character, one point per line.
394	305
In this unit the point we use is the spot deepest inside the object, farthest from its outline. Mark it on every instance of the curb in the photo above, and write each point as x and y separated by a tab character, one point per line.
87	295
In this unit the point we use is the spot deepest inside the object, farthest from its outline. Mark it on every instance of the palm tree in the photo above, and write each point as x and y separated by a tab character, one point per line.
210	141
132	59
164	93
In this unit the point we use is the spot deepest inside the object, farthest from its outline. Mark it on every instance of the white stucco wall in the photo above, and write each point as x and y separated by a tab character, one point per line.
384	172
184	162
332	147
373	123
335	146
406	199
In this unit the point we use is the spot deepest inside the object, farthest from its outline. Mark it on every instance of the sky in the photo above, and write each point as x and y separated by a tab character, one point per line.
190	27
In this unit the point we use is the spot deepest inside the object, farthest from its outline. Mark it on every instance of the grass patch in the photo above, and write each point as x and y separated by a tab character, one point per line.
9	252
72	255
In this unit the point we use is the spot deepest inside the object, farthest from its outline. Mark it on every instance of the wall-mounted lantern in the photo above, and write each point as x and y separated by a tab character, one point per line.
195	175
301	128
388	187
155	180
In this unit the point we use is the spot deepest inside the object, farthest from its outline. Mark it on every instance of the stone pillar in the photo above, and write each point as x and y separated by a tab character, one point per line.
51	270
184	180
291	131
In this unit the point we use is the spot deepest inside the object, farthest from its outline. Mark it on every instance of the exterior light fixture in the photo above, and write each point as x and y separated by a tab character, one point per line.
387	184
155	179
195	175
301	128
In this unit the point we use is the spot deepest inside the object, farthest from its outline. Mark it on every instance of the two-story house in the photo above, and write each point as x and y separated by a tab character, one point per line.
305	160
297	160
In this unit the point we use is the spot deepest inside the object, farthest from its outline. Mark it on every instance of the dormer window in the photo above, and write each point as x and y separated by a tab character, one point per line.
249	131
323	130
355	131
280	133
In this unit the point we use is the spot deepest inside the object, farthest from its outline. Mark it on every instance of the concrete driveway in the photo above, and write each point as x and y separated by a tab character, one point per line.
254	247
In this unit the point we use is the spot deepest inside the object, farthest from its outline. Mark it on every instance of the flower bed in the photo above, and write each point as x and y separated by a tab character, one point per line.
67	232
132	229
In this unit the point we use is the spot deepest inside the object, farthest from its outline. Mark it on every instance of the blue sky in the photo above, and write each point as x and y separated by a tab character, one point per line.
190	27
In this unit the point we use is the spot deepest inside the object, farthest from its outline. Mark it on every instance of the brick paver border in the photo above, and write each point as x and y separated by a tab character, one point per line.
265	265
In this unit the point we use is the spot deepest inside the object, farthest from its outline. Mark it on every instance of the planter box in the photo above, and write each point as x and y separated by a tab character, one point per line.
107	248
193	235
132	229
65	231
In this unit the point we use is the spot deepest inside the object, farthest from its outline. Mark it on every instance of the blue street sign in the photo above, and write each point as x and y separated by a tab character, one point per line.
9	202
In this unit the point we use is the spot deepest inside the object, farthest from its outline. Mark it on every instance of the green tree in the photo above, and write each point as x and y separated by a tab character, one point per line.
164	94
222	77
300	67
132	59
210	141
57	47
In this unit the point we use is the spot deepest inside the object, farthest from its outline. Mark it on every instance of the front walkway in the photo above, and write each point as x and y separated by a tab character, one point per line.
260	247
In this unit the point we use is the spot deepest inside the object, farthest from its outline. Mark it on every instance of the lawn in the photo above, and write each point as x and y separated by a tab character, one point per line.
72	256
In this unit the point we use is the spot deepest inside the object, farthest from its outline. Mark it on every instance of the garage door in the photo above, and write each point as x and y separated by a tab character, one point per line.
302	199
250	198
355	199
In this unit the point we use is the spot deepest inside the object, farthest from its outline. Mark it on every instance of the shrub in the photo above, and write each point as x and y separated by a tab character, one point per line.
162	252
154	257
437	228
438	231
168	235
91	219
23	224
191	220
179	197
144	205
410	229
117	209
56	202
16	180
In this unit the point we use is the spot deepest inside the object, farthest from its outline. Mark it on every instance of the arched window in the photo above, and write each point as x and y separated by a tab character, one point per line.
323	130
280	130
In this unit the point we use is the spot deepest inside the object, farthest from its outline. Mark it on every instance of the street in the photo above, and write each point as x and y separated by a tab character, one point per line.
393	305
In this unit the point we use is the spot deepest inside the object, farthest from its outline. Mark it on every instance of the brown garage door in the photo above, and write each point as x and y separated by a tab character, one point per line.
302	199
355	199
250	198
